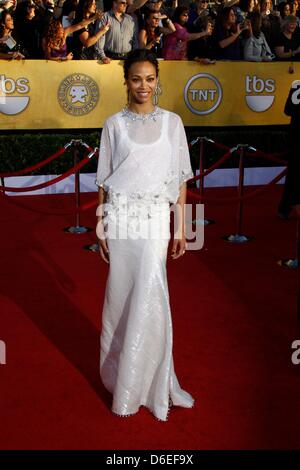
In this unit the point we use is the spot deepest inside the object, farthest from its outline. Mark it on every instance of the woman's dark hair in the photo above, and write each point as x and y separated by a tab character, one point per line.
281	7
140	55
81	10
223	19
256	20
3	16
177	14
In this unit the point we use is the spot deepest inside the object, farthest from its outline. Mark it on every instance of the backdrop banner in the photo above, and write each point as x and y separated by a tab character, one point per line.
82	94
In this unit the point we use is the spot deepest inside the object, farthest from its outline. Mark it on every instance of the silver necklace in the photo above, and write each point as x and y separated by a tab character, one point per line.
141	117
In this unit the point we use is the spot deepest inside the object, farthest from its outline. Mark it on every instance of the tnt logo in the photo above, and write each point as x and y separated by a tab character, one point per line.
9	104
296	94
203	93
2	352
259	95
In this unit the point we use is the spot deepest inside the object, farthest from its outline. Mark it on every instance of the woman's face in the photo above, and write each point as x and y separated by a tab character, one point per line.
202	5
9	22
290	27
141	82
286	10
92	8
183	18
60	32
251	5
293	8
31	12
153	20
266	5
231	18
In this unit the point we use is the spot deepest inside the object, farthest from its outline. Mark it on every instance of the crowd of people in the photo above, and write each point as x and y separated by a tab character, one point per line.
252	30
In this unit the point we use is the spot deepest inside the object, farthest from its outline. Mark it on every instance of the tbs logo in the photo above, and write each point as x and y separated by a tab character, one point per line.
11	105
259	95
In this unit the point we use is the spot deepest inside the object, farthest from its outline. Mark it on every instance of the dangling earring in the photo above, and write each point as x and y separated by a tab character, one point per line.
157	92
128	97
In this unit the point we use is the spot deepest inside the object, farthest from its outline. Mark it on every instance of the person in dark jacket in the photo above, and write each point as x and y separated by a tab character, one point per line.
291	191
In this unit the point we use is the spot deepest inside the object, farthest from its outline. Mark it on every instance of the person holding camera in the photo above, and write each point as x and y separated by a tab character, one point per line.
175	47
227	35
151	34
54	43
8	45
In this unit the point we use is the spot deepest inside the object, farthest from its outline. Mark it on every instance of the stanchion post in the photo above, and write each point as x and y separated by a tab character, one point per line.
201	182
2	183
239	217
201	168
238	237
78	229
77	183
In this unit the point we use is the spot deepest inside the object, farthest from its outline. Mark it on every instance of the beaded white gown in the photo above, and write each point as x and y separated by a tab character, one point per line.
143	162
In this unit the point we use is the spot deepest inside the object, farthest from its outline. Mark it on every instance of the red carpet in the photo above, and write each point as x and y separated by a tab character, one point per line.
234	314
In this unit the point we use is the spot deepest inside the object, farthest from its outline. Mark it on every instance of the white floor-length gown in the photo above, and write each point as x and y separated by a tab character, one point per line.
143	161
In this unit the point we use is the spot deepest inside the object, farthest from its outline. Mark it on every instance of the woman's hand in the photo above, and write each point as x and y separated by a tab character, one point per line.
209	29
16	55
99	14
69	56
103	248
178	248
105	28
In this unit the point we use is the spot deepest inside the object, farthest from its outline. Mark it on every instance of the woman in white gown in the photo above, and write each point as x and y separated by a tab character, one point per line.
143	165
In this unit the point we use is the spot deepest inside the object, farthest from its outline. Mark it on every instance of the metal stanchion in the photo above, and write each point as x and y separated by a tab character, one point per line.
2	183
298	303
201	182
238	237
78	229
293	263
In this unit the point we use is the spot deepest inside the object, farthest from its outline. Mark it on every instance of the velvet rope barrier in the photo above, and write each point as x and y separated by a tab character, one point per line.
72	170
236	198
223	159
260	153
36	166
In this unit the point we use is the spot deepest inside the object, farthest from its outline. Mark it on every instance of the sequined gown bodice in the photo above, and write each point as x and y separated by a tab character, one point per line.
142	163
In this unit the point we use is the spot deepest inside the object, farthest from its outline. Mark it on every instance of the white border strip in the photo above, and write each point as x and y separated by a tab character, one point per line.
218	178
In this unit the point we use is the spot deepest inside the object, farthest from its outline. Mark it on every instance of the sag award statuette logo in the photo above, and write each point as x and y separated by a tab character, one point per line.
202	93
78	94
